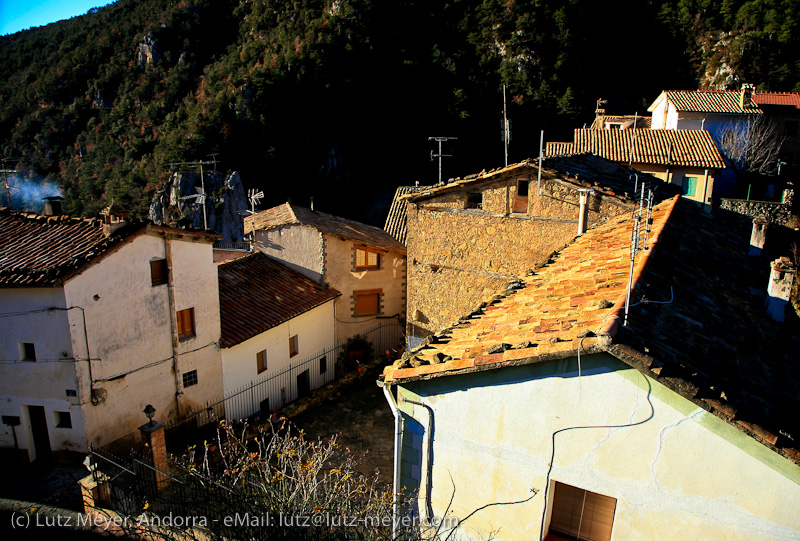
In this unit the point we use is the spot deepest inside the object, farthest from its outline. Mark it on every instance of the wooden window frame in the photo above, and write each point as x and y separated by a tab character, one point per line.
186	324
582	514
261	361
364	293
159	272
294	346
367	251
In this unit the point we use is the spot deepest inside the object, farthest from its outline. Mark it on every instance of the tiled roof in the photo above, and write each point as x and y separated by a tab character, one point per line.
687	148
43	251
697	322
706	101
257	293
40	250
396	220
545	315
627	121
582	170
791	99
287	214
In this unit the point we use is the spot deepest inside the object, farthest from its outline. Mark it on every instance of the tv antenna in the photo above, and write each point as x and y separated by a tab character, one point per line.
254	197
8	187
506	127
440	140
641	229
200	196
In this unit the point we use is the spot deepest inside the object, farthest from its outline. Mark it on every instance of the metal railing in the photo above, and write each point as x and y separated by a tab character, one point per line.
259	399
243	246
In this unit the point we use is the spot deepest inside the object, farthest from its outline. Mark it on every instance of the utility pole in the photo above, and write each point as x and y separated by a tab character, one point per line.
440	155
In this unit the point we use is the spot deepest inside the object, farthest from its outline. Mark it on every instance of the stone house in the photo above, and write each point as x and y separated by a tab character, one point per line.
687	158
271	317
470	236
101	318
364	263
666	413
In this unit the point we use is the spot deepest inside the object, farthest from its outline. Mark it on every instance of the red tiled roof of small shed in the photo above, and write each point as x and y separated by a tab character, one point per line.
708	101
791	99
257	293
686	148
288	214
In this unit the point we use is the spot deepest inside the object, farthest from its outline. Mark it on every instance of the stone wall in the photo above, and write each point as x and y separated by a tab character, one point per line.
459	257
773	212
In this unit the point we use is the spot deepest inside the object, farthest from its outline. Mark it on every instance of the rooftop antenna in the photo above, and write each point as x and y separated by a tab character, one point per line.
200	196
254	197
440	155
8	187
506	127
641	228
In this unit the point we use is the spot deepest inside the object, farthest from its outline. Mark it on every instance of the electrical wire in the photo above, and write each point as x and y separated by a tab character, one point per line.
557	432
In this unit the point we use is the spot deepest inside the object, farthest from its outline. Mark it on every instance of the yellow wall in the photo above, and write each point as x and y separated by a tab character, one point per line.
677	471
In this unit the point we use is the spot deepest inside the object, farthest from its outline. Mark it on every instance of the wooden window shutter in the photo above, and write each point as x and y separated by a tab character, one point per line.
368	302
582	514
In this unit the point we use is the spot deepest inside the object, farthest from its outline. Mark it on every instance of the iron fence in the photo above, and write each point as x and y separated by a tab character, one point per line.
264	396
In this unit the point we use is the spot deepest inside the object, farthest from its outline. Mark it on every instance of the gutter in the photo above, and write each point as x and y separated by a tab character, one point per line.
429	466
398	445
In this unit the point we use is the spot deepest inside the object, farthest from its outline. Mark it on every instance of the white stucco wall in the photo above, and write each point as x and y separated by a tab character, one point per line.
129	325
340	273
315	334
44	382
298	246
676	471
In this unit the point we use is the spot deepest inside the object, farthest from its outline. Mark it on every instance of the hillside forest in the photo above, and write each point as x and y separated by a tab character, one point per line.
336	99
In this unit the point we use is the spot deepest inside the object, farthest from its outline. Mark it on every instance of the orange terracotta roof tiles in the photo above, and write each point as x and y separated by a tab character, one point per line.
548	314
257	293
288	214
686	148
789	99
707	101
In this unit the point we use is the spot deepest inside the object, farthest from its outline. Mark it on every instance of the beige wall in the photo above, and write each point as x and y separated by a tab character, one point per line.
129	323
459	258
676	175
676	471
298	246
340	273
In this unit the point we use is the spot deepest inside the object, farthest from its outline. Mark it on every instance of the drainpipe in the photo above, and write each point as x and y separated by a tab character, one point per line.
173	320
429	468
398	445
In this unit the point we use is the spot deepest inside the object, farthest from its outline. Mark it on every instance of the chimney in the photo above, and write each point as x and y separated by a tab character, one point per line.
779	288
758	237
583	212
746	96
114	217
52	205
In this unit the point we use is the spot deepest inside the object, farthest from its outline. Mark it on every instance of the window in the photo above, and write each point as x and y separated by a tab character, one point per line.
27	351
158	272
190	378
582	514
72	392
185	324
294	348
474	200
261	361
11	420
367	302
63	419
522	188
367	259
323	365
689	186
